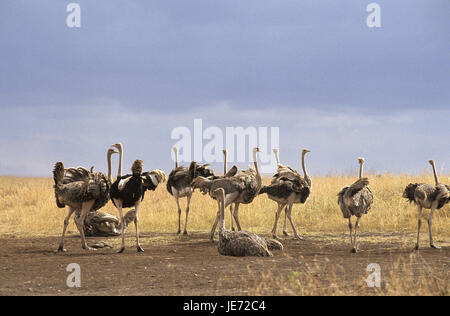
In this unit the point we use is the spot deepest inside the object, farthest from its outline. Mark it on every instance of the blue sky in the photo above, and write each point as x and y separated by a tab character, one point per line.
137	69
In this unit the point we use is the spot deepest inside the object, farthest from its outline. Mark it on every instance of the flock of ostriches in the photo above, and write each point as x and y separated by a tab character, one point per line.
85	192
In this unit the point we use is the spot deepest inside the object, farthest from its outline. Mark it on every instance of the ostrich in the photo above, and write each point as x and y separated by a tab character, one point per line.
287	188
82	191
179	184
129	190
428	197
241	243
102	224
241	188
356	200
226	174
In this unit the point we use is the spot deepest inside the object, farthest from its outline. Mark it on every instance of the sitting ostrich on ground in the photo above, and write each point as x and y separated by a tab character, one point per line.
83	192
179	184
356	200
428	197
102	224
129	190
241	243
241	188
288	187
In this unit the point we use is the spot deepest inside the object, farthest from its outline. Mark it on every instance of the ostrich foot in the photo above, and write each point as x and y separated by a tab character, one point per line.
435	247
185	233
354	250
285	233
299	238
179	232
233	229
139	248
417	247
61	249
121	250
87	248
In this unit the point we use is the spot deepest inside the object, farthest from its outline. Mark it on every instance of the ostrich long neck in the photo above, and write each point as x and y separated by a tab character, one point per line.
361	170
224	163
109	166
176	158
221	200
119	170
276	156
258	176
436	180
305	173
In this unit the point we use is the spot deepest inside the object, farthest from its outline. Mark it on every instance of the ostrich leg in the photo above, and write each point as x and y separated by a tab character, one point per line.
289	216
175	195
430	222
85	208
66	223
285	233
236	216
122	225
350	226
187	213
419	224
231	213
136	224
213	230
277	216
355	245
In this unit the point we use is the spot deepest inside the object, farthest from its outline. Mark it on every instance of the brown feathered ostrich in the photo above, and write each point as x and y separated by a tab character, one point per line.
428	197
356	200
102	224
239	189
179	184
82	191
241	243
288	187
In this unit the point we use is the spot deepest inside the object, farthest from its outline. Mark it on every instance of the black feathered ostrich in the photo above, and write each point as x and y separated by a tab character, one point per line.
129	190
428	197
288	187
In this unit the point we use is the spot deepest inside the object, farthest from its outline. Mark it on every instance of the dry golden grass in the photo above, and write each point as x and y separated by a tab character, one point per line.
28	208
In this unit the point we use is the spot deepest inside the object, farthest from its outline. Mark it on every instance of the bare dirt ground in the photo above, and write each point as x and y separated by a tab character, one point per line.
173	265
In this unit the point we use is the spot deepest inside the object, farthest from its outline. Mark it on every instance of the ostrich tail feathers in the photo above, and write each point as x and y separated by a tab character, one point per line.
160	175
58	172
409	192
192	170
58	176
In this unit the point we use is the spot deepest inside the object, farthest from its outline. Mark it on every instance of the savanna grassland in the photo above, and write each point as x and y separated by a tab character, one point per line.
321	264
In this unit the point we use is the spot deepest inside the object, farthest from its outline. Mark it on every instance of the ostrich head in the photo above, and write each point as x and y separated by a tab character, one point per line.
361	160
305	151
118	146
431	162
136	168
111	151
